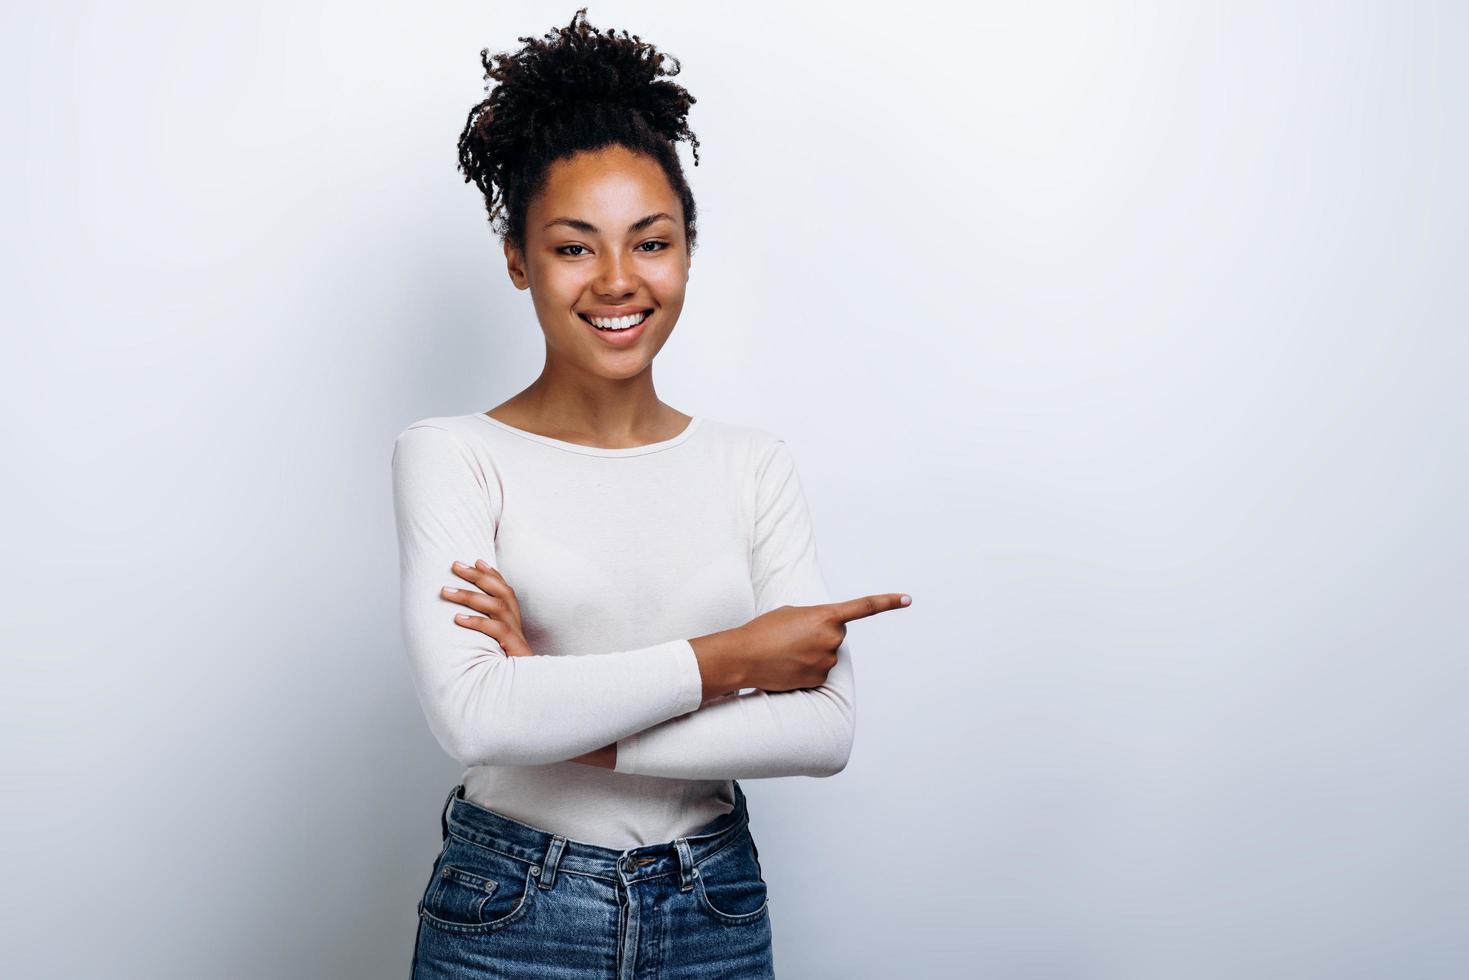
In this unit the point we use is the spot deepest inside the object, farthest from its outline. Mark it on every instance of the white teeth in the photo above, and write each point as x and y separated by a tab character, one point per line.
619	322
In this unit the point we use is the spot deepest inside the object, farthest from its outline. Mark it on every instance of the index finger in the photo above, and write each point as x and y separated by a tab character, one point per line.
489	582
869	605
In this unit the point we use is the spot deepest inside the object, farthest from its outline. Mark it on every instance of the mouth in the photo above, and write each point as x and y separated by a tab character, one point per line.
620	332
616	325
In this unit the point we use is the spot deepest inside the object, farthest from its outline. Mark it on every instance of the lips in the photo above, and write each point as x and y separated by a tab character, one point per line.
644	313
618	338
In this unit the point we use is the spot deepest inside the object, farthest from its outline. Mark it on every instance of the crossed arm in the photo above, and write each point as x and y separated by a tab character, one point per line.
486	708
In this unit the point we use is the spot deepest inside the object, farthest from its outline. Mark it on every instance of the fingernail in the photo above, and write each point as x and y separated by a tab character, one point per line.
461	617
457	565
480	563
449	591
905	600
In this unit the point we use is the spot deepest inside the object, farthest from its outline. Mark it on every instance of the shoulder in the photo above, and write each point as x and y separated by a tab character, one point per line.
471	436
440	428
428	440
446	447
763	455
751	440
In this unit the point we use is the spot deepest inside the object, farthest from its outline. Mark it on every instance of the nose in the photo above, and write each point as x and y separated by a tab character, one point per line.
615	276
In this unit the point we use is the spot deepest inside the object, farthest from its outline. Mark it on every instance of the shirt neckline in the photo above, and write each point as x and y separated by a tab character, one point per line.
574	447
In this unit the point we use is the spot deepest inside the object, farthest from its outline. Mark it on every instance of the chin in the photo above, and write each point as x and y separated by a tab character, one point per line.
623	371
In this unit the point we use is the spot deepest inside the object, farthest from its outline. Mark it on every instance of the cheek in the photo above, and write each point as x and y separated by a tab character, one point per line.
557	291
669	287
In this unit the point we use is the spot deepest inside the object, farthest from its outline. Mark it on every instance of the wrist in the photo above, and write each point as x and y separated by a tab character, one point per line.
721	662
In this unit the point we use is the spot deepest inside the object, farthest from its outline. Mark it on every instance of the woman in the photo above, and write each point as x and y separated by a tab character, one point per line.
613	610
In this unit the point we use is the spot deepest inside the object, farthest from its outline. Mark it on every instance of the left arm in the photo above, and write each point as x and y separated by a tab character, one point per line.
805	732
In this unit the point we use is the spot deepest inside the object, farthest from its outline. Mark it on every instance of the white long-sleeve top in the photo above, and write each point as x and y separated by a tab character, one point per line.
618	557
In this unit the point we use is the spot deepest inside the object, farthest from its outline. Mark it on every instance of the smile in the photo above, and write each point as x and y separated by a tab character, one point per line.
617	324
620	332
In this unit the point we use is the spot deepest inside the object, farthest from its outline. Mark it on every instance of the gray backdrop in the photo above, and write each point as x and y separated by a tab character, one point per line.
1128	339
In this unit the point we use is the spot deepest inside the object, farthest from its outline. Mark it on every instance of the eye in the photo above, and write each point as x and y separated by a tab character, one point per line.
562	250
661	245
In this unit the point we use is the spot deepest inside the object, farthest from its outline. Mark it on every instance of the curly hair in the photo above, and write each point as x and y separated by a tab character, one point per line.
575	89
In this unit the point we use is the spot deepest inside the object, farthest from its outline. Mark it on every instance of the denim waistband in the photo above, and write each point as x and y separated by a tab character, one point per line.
470	821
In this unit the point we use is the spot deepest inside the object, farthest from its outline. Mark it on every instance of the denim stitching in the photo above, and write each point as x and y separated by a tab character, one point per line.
487	847
726	918
461	833
563	869
522	909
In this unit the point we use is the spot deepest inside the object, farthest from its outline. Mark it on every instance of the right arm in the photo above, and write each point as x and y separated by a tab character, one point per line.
483	707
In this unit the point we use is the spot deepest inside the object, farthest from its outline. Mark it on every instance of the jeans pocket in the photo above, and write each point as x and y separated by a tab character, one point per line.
475	889
729	886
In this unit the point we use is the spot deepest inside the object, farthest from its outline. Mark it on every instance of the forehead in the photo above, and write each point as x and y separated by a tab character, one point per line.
611	188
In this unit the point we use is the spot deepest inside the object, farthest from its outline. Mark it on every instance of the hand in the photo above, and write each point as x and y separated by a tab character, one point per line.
497	600
795	647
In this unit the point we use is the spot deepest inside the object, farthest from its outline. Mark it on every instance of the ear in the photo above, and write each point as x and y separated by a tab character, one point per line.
515	265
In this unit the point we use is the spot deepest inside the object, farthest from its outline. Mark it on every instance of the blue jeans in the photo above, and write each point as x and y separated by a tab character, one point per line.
507	900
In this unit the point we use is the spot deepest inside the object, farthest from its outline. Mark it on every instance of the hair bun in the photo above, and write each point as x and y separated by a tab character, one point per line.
578	66
574	89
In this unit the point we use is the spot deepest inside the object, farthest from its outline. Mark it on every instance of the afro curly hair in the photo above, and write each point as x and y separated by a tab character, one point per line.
574	90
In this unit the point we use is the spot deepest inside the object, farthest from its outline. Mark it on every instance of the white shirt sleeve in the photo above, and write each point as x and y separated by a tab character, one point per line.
486	708
807	732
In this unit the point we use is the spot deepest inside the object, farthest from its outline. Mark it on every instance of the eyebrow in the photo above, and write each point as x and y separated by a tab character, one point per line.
591	229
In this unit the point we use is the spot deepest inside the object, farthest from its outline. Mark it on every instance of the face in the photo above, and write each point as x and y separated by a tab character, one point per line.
604	238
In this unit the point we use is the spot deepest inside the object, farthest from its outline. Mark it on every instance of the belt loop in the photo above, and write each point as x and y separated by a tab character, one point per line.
444	813
551	861
686	869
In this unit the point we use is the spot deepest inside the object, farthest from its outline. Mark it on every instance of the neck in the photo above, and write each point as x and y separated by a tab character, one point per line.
600	411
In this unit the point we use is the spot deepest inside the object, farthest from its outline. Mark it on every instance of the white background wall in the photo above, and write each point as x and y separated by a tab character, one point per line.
1128	339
